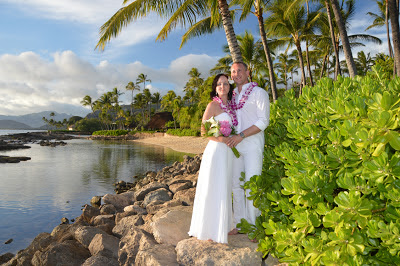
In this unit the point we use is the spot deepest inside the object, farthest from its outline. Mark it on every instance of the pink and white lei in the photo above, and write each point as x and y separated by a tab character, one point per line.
228	110
244	98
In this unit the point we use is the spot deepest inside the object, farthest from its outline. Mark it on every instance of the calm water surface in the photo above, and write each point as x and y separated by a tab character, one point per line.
56	182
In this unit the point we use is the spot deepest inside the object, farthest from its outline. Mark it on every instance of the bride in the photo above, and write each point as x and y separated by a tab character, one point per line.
212	208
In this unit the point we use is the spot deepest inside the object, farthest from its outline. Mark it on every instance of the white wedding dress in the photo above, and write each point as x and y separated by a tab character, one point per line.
212	208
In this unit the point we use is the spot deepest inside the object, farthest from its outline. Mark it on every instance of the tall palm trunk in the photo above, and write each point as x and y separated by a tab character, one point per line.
267	52
387	30
229	31
394	23
323	67
303	76
309	65
337	63
344	38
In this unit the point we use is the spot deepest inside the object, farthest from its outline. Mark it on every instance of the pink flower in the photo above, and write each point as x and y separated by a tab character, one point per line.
225	128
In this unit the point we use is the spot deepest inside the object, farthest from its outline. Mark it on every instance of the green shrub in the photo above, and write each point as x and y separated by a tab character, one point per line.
88	125
329	192
184	132
117	132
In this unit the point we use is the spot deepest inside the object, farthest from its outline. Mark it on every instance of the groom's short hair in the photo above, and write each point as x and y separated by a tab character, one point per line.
241	63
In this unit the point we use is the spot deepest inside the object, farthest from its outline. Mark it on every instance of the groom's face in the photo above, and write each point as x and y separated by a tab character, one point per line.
239	74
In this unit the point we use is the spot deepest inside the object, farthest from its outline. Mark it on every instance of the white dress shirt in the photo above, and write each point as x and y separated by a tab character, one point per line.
255	111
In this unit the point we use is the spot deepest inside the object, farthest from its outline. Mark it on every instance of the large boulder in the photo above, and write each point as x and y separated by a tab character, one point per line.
157	255
120	201
99	260
126	225
132	243
161	194
141	193
173	226
85	234
239	251
104	245
186	196
69	252
89	212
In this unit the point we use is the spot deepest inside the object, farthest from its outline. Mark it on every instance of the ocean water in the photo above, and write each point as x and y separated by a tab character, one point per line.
57	181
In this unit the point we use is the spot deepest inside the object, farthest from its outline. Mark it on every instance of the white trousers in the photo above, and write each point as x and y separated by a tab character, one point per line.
249	162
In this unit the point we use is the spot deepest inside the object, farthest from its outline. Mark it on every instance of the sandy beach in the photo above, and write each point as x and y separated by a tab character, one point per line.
195	145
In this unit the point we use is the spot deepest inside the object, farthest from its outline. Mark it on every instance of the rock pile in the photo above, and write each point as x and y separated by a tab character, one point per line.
145	223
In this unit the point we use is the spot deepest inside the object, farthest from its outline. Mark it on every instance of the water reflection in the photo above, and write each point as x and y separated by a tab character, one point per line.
56	182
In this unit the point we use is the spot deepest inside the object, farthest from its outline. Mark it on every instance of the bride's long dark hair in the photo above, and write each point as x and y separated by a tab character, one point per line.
213	92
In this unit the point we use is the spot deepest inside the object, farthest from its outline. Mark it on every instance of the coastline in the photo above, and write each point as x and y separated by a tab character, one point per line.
194	145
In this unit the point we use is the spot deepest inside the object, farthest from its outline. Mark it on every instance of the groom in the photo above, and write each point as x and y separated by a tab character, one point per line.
252	110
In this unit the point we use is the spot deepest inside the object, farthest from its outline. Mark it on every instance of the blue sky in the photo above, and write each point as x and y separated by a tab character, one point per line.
48	61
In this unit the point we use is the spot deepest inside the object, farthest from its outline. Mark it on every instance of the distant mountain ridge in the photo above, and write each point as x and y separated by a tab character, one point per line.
34	120
11	124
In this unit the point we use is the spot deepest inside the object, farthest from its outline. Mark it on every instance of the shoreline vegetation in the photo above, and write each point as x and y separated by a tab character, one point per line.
144	223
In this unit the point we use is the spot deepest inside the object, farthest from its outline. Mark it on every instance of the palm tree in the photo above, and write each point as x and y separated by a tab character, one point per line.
344	37
382	19
132	87
223	65
87	101
139	103
364	62
167	100
259	7
332	33
178	12
147	98
288	20
394	23
142	78
156	99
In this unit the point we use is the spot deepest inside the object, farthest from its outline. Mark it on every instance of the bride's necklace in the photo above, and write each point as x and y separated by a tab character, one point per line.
244	98
227	110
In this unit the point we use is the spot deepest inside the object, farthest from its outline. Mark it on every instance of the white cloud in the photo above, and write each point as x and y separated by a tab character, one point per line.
30	83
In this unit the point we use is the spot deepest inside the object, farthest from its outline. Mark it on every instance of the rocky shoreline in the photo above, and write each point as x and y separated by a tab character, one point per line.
19	141
144	223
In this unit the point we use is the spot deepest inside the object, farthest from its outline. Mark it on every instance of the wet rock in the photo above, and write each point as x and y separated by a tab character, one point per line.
6	257
96	201
89	212
120	201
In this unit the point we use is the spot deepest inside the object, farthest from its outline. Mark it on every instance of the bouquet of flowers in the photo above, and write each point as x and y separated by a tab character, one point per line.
216	128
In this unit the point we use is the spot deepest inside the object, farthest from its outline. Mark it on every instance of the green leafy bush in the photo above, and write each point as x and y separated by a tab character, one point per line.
117	132
329	192
183	132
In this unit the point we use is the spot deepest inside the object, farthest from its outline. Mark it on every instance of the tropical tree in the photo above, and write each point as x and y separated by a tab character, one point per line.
132	87
223	65
139	103
142	78
178	12
364	62
156	99
167	101
289	21
344	38
87	101
394	23
147	99
259	7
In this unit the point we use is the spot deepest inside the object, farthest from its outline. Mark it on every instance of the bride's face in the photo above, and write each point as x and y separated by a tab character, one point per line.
223	87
